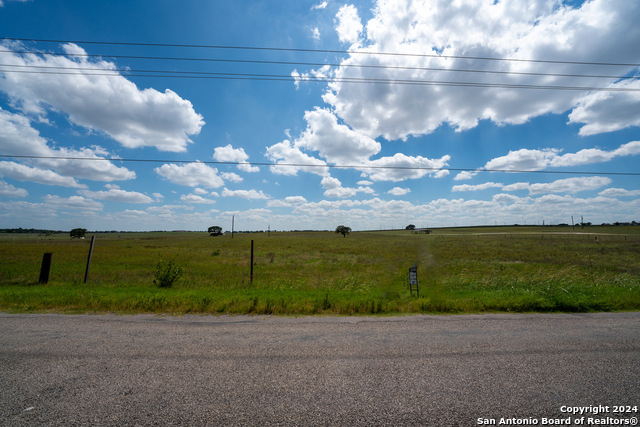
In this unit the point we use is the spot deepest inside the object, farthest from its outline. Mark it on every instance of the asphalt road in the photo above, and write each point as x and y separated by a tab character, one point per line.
421	370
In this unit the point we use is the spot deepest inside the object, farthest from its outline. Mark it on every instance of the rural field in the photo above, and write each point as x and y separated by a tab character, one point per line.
463	270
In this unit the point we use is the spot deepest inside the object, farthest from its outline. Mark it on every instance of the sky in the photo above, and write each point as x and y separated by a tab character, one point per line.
137	115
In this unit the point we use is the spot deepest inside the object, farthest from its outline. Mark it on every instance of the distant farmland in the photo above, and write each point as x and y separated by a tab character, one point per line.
464	270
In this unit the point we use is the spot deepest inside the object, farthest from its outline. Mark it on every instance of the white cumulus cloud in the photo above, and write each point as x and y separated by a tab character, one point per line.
334	189
244	194
335	142
567	185
320	6
348	24
230	176
234	155
518	29
110	104
340	192
534	160
400	167
73	203
8	190
608	111
18	137
288	154
288	201
194	198
484	186
619	192
341	145
117	195
329	182
397	191
570	185
524	160
461	176
195	174
41	176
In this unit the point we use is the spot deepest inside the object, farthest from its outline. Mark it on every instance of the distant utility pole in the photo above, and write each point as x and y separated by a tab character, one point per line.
233	220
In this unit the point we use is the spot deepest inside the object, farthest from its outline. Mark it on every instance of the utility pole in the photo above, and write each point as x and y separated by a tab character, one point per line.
233	220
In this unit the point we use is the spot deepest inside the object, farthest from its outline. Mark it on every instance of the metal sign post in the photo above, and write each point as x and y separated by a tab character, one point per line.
413	280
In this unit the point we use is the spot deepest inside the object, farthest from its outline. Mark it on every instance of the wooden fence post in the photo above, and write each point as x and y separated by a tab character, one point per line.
251	273
86	273
45	268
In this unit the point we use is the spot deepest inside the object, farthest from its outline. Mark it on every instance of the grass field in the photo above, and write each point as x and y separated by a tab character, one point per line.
464	270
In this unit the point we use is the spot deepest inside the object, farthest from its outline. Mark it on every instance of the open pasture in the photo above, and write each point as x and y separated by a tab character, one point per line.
464	270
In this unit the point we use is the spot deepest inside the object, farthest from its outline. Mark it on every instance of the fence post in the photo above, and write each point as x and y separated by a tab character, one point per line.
251	273
86	273
46	267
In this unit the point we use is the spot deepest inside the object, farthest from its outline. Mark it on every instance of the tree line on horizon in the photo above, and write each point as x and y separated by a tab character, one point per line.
21	230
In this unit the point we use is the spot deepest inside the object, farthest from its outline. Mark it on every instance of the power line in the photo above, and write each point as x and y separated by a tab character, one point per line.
314	64
276	77
284	49
309	165
284	77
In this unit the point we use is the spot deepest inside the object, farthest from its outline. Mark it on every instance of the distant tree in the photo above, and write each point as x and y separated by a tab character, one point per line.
78	232
215	230
344	230
410	227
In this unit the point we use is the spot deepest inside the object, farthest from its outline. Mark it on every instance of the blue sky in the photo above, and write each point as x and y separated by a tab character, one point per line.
418	153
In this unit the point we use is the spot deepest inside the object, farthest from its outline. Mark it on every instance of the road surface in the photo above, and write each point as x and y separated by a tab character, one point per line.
242	370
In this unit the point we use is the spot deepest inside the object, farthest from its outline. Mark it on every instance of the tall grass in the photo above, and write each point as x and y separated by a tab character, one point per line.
324	273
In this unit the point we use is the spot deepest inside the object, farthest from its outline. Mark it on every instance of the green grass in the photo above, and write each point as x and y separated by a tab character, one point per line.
474	270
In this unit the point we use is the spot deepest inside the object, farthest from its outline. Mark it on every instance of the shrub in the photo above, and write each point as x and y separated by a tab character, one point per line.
167	273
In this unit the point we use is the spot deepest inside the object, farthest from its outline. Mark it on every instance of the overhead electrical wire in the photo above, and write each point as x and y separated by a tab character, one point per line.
315	64
285	49
309	78
190	74
303	165
283	77
40	69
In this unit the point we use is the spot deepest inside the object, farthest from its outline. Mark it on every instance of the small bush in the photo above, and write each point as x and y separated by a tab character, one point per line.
167	273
